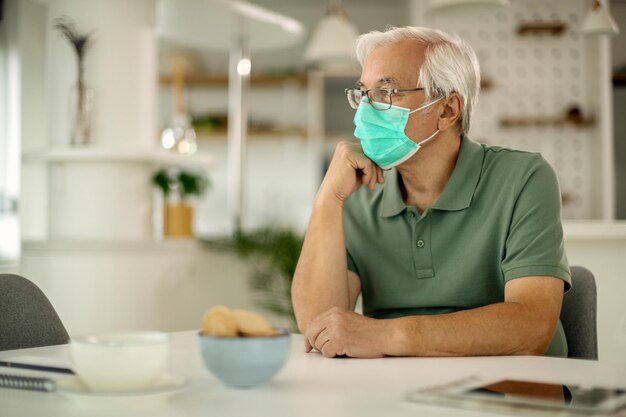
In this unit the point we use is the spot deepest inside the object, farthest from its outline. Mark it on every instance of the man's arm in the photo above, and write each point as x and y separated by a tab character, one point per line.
322	279
523	324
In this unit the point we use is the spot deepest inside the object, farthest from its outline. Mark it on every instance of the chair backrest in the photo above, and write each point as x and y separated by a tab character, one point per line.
27	319
579	315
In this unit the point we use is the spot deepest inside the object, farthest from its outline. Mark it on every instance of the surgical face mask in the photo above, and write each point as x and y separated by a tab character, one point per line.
382	133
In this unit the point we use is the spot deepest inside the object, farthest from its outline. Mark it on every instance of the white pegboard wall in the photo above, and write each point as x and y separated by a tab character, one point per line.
535	75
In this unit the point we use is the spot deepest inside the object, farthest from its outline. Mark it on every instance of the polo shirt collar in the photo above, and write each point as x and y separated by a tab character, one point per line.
392	203
458	192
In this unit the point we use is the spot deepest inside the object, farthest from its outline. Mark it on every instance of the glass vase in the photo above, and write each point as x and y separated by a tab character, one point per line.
82	103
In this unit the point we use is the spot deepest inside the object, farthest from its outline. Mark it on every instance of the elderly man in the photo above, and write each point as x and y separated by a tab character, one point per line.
456	247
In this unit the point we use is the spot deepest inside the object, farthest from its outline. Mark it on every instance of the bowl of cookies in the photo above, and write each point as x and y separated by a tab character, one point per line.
241	348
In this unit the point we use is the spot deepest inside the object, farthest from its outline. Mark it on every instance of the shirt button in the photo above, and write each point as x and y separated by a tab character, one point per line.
420	243
411	214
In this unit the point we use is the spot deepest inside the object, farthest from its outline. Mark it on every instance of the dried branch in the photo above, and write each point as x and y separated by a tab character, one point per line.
67	27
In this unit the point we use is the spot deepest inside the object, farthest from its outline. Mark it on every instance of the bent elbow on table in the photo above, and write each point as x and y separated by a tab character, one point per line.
310	301
536	339
538	300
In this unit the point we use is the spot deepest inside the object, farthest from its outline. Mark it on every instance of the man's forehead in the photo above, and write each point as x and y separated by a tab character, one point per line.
395	64
378	77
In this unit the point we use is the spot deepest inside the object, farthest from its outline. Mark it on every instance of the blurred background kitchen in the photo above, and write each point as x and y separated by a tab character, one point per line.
158	157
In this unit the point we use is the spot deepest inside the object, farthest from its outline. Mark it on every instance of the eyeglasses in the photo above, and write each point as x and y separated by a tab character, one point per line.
378	98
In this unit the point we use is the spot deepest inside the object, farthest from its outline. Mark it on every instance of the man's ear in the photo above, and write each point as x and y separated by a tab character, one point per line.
451	111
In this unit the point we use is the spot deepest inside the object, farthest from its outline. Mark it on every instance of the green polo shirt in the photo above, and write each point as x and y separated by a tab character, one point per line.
498	218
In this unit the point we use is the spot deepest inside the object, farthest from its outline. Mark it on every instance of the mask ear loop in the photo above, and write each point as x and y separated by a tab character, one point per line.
428	138
424	106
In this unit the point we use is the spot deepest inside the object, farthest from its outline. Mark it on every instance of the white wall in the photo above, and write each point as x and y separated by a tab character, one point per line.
24	27
10	130
33	120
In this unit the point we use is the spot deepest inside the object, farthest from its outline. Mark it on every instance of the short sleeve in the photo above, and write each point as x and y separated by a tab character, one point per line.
534	244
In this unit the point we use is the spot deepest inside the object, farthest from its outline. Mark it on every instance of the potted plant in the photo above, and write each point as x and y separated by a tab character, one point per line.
275	252
179	186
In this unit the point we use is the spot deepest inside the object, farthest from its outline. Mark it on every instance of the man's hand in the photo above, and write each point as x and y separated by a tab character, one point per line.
339	332
348	170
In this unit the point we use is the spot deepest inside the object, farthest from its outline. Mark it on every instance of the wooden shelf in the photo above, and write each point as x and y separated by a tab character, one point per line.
220	134
221	80
512	122
538	28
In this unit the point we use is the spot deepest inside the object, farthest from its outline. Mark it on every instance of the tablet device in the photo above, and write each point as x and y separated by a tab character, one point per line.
510	395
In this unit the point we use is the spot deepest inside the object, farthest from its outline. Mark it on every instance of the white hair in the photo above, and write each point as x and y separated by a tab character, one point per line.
450	64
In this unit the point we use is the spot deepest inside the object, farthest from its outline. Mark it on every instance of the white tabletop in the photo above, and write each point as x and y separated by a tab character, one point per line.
308	385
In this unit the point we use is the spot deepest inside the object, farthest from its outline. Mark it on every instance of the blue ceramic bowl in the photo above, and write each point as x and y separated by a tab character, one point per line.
244	362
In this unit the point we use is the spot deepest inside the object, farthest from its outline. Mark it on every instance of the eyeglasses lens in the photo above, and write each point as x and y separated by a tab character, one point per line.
379	99
354	97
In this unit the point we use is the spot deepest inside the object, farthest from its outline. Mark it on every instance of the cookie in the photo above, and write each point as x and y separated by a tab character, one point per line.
253	324
220	321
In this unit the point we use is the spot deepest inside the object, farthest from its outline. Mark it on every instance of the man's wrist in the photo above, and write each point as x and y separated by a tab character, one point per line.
386	337
399	337
326	198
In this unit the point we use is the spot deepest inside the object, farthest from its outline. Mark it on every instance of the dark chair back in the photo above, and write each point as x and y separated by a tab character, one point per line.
27	319
579	315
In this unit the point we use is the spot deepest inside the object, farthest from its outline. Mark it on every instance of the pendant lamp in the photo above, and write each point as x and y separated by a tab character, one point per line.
332	41
599	21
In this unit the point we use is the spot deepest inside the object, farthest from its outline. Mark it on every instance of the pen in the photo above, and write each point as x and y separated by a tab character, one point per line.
36	367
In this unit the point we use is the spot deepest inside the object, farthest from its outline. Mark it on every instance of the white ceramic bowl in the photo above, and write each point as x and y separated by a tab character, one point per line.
120	361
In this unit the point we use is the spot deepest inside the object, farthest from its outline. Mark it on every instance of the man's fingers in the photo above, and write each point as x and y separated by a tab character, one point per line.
379	174
307	346
329	350
369	176
373	178
367	179
322	338
309	339
316	326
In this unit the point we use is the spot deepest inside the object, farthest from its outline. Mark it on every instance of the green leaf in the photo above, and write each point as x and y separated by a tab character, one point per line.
188	183
161	180
275	253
